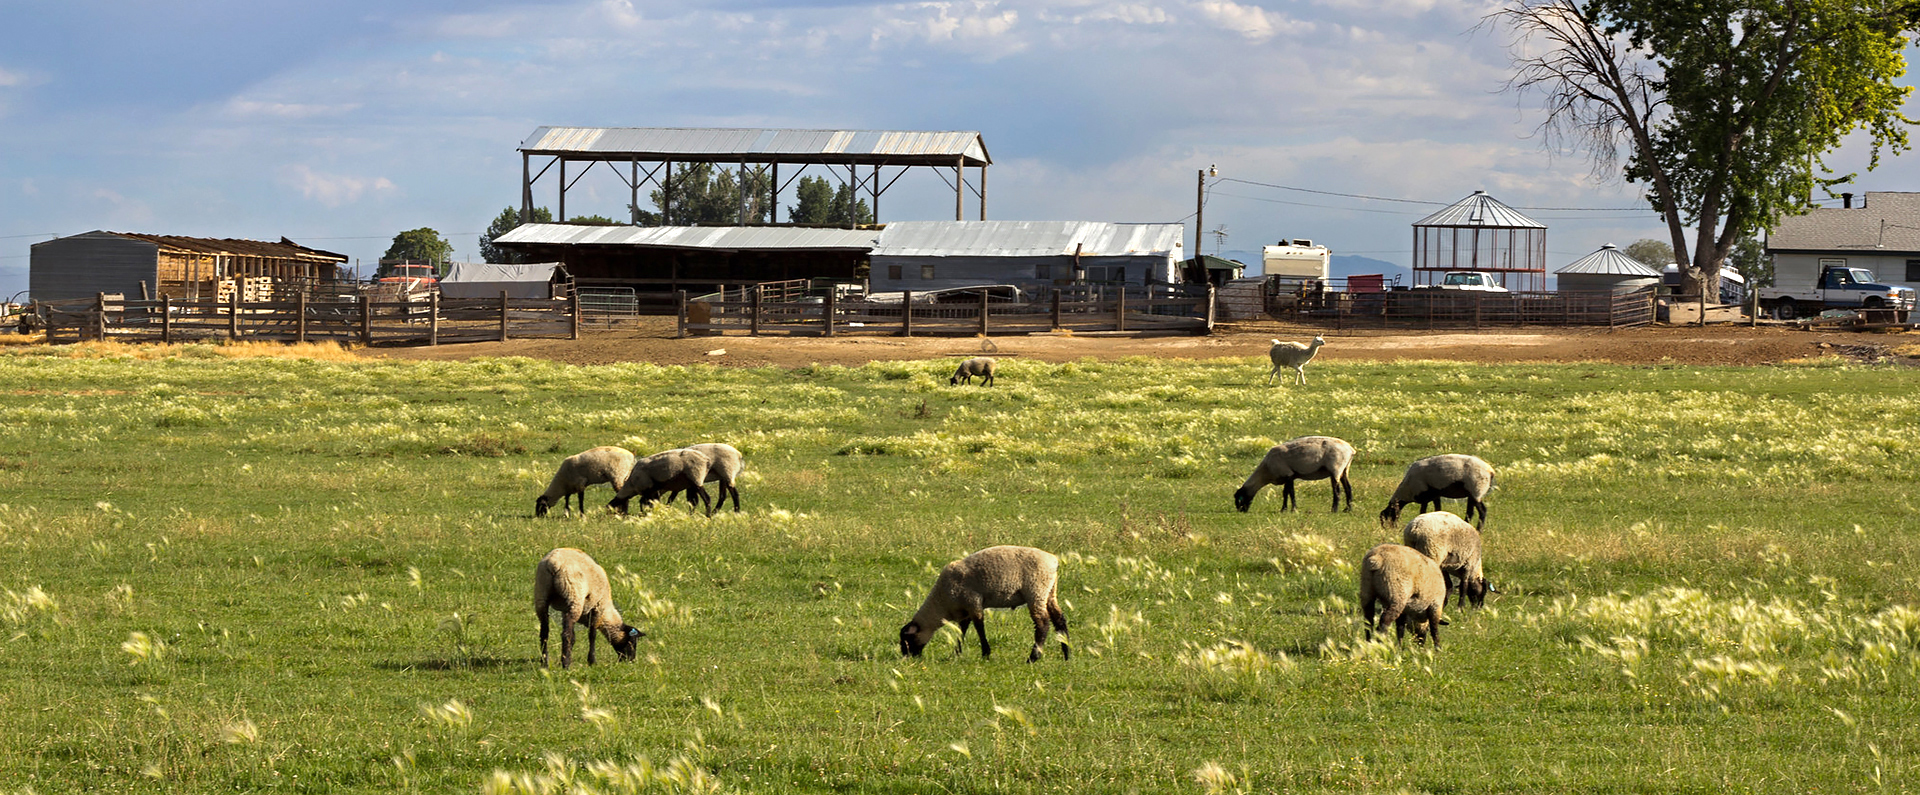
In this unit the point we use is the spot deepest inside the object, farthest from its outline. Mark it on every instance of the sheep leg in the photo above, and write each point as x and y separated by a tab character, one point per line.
1300	372
727	488
1042	624
980	629
1060	625
1473	504
962	646
566	640
1366	614
1392	615
593	620
1433	624
1287	501
543	637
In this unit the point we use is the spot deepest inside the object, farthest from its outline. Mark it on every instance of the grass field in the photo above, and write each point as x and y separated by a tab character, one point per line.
313	574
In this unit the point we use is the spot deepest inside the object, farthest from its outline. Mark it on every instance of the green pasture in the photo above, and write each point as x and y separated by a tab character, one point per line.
314	575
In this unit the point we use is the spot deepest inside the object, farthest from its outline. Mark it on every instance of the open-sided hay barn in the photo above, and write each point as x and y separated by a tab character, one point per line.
84	265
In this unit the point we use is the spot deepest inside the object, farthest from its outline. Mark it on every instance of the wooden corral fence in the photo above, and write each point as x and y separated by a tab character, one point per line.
753	311
1467	309
433	320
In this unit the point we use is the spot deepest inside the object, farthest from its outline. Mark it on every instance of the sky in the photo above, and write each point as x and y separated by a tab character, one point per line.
341	124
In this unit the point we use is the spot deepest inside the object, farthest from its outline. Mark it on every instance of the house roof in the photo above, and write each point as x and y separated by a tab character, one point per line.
1027	239
1886	222
285	249
1609	261
1480	210
738	238
730	145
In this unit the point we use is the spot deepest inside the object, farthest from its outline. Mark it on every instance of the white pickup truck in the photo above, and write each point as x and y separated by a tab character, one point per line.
1471	281
1837	287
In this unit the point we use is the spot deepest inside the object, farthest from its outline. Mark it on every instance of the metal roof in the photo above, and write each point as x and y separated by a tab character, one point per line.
701	237
703	144
1027	239
285	249
1480	210
1610	261
1887	223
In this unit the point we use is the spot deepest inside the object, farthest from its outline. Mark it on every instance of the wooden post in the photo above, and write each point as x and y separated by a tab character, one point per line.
830	306
100	316
166	320
906	313
753	318
300	326
1056	309
1120	311
366	320
1210	308
1703	304
680	309
1753	307
503	315
1476	312
433	315
983	313
573	306
233	311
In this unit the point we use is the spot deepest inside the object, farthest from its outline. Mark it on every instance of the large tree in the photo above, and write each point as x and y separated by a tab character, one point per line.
507	221
418	245
819	203
705	195
1722	108
1651	253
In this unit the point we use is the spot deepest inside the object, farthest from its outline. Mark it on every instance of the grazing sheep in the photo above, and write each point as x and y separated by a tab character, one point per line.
569	581
1409	589
673	470
1003	576
577	472
727	463
979	365
1455	545
1294	355
1451	475
1305	458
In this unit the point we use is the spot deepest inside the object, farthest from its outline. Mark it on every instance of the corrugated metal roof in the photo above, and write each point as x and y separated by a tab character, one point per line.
705	237
1886	222
890	147
1480	210
285	249
1026	238
1609	261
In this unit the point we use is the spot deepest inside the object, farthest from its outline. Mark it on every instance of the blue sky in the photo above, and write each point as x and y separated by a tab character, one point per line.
340	124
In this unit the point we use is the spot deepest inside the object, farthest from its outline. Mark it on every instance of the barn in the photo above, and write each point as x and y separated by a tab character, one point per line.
135	265
1033	255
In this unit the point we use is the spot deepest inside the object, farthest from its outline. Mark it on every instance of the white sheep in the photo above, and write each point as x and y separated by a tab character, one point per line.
1455	545
569	581
726	467
1409	589
1294	355
1003	576
577	472
1452	475
1305	458
979	365
670	470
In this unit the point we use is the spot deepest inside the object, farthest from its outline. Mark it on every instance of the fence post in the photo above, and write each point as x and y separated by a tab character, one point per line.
233	312
1120	311
1703	304
166	320
680	310
1477	301
753	320
573	305
906	313
300	326
100	316
831	305
1056	309
983	313
433	318
503	315
1210	310
366	320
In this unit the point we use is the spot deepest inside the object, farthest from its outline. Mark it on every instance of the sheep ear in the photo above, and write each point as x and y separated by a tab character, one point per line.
634	633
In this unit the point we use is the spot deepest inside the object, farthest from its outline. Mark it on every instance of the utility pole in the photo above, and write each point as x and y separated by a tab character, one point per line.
1200	207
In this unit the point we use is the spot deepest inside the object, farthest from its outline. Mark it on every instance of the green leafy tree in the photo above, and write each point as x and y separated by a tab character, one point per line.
593	220
1721	108
1750	260
820	203
1652	253
507	221
418	245
709	196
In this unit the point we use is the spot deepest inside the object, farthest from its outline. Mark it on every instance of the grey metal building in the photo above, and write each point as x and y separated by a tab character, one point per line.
131	264
1034	255
1608	269
1479	233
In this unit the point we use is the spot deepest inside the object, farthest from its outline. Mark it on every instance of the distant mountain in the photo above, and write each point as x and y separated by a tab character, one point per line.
1341	266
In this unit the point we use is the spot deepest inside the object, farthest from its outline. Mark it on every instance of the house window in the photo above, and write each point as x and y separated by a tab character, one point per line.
926	271
1042	272
893	272
1913	270
1832	262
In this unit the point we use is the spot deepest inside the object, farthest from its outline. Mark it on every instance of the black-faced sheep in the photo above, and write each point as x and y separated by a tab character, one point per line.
1003	576
1452	475
982	366
726	467
1455	545
569	581
672	470
1408	589
1294	355
1305	458
577	472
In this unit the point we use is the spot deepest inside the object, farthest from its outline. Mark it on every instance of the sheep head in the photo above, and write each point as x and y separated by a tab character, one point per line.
540	505
618	504
914	638
626	641
1243	499
1392	514
1475	590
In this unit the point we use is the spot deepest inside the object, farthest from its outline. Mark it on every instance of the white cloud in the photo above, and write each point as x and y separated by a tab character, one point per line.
332	190
984	28
1252	22
121	210
247	108
10	78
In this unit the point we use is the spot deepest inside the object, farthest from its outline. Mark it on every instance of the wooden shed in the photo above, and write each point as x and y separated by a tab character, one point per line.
132	265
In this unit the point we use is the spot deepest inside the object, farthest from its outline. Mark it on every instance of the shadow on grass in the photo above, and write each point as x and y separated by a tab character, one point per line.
461	664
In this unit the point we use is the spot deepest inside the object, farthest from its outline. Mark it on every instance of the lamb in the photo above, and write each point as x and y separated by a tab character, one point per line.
577	472
1305	458
978	365
1409	589
1455	545
727	463
569	581
1451	475
672	470
1294	355
1003	576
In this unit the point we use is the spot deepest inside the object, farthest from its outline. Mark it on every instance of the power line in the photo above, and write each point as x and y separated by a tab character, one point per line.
1423	201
